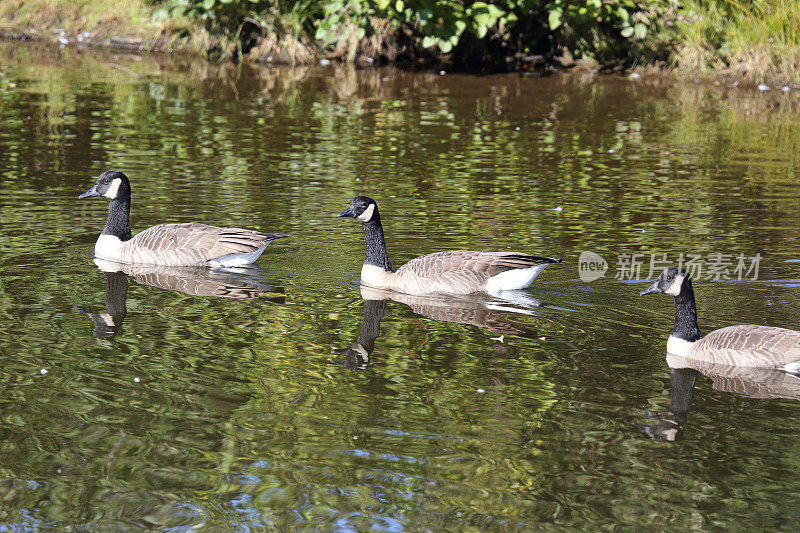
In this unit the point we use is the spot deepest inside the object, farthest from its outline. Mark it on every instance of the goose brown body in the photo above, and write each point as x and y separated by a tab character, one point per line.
748	345
458	271
188	244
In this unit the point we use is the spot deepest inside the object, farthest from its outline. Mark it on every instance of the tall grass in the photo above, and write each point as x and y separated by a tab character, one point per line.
133	16
755	40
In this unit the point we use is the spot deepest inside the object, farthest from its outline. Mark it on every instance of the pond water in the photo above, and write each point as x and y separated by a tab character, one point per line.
147	399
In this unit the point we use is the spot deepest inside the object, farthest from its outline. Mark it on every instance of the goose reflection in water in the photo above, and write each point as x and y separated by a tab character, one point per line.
759	383
110	322
239	283
479	310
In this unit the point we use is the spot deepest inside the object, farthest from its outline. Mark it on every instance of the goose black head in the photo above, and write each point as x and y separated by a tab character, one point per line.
670	282
111	184
362	208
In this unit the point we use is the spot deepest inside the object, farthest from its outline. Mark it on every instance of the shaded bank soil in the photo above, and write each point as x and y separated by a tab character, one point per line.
761	55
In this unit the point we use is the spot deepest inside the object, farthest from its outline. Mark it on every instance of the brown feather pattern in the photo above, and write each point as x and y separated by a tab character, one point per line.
459	271
190	244
748	345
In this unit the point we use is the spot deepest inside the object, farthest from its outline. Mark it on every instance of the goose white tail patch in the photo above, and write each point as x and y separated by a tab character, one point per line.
237	260
366	216
793	367
230	263
511	280
113	189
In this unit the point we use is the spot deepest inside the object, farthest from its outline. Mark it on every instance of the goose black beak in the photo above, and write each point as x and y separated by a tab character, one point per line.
88	194
651	289
347	212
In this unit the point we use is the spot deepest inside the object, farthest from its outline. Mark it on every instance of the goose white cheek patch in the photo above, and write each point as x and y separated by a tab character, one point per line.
675	288
113	189
366	216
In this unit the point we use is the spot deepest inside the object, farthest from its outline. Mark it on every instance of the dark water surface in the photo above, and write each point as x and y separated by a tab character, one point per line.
309	406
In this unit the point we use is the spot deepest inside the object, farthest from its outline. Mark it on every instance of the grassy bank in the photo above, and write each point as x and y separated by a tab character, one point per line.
754	41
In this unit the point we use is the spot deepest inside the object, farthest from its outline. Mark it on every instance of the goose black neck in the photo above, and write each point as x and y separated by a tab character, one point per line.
376	246
686	327
118	223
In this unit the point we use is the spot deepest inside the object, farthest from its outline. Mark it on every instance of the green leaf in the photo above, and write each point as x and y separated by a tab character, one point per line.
640	30
445	46
627	31
494	10
159	14
555	18
428	41
482	19
383	4
399	5
208	5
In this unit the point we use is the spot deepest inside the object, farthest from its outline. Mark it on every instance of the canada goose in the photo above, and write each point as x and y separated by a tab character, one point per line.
451	272
746	345
190	244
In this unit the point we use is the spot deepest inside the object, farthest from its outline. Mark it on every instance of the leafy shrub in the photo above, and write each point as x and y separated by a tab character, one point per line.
604	29
591	27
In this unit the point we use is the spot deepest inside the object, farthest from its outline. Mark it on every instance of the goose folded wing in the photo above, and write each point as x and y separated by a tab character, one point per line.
193	243
750	345
461	271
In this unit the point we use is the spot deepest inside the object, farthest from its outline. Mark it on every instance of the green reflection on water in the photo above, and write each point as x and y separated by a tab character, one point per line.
241	418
